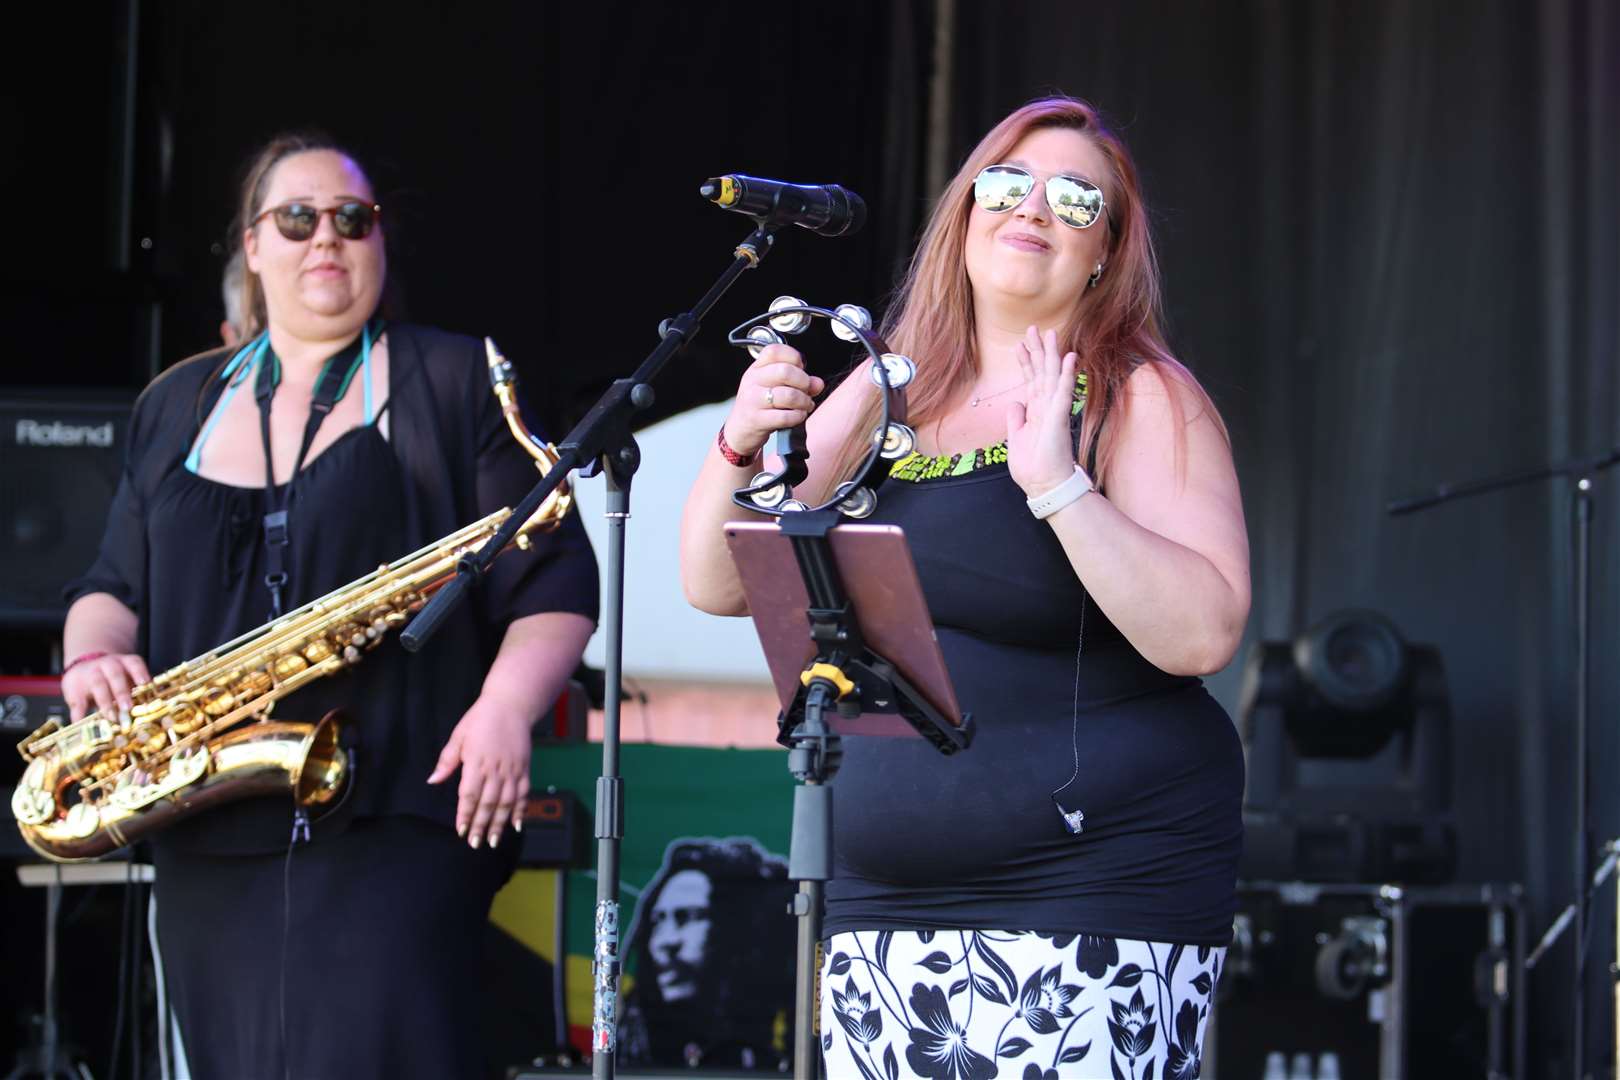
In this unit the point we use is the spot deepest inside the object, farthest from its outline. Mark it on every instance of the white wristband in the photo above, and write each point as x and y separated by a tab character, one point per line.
1044	506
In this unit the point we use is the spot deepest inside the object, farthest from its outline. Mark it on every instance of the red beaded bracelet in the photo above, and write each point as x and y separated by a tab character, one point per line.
82	658
742	461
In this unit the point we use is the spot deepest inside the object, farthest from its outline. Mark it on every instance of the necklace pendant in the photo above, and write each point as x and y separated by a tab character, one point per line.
974	404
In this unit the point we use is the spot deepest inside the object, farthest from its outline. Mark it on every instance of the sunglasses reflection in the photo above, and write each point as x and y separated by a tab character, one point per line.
1074	201
299	221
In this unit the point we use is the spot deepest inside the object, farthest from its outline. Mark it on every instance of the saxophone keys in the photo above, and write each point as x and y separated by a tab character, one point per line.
285	667
188	763
148	738
350	633
83	820
185	719
129	791
252	684
351	654
217	701
30	802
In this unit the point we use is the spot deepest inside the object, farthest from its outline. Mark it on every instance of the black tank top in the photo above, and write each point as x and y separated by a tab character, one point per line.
1067	712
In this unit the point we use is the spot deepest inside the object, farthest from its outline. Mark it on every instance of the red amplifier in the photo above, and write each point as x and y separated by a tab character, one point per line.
568	720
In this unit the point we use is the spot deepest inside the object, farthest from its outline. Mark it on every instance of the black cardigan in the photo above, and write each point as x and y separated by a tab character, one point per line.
457	462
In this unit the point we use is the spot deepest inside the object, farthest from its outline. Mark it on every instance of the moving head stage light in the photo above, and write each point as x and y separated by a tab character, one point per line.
1347	730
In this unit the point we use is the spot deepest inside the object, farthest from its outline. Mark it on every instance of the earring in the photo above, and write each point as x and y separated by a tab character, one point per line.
1096	275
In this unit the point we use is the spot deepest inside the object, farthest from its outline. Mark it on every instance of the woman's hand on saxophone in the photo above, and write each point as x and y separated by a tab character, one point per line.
105	680
99	639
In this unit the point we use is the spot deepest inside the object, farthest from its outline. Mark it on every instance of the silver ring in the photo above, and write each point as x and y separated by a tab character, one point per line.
770	400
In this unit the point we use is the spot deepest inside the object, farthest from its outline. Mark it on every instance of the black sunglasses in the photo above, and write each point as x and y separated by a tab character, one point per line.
1075	201
298	221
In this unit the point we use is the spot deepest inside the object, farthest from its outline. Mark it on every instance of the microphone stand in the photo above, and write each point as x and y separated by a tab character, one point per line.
601	442
1581	470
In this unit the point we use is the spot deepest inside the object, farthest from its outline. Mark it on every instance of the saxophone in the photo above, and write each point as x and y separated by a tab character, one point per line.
99	784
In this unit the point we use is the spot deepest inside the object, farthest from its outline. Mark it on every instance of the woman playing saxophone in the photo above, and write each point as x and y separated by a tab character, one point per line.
260	478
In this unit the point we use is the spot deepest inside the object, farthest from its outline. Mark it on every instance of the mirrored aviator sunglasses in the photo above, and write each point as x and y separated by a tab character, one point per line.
298	221
1075	202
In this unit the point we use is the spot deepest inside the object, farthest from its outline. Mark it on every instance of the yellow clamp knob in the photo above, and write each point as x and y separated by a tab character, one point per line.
834	675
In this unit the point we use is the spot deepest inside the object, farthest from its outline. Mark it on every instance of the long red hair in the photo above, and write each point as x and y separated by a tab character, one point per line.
1113	327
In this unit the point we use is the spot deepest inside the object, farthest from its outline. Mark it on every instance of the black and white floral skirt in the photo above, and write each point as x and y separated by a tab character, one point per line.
969	1005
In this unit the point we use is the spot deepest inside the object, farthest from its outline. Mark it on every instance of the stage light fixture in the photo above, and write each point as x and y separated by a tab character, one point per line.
1347	731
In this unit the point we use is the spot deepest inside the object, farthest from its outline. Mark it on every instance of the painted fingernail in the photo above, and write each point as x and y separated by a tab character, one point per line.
461	828
518	824
473	842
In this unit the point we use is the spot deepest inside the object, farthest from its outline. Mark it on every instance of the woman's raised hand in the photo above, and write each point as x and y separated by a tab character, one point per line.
775	393
105	682
1040	450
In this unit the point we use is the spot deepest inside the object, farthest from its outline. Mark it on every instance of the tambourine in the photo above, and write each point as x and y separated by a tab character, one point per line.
892	439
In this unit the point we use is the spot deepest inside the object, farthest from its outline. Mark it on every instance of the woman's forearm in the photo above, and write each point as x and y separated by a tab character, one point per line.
1169	601
99	622
707	574
537	655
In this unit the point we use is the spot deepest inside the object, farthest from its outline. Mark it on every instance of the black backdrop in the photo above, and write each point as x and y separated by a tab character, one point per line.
1389	232
539	166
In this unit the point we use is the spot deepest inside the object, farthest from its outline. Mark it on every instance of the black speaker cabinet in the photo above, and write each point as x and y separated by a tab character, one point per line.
61	455
1396	982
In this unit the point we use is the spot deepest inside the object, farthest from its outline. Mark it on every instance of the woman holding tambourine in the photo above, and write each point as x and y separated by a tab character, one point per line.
1062	893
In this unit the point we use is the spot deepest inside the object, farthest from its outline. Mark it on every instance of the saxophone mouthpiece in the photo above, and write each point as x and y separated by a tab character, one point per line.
500	369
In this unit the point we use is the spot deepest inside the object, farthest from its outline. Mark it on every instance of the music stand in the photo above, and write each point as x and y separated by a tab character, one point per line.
837	671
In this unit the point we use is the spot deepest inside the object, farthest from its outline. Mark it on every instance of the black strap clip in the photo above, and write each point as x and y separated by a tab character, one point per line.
275	529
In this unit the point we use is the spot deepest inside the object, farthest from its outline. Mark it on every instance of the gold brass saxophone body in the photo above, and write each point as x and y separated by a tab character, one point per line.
99	784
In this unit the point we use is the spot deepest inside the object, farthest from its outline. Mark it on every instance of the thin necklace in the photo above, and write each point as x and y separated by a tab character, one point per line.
974	402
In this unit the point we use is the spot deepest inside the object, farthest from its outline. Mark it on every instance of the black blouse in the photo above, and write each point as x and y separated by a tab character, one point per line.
187	555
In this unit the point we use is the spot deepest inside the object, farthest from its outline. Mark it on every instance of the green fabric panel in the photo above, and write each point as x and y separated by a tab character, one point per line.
669	792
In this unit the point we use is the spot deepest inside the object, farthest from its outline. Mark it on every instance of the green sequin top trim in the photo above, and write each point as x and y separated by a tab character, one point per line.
917	467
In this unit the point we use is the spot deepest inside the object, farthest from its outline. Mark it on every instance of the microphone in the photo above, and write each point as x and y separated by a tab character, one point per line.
822	208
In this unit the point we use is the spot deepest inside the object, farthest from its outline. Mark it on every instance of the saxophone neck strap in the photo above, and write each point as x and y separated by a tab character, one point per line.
330	386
